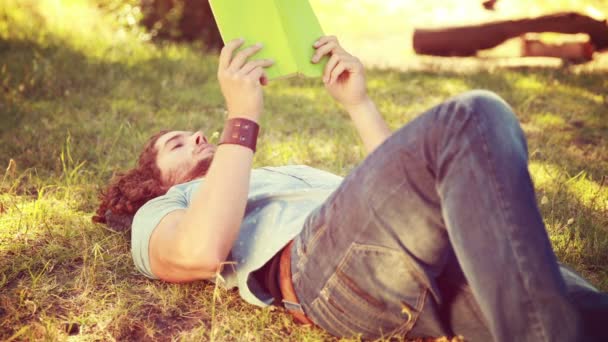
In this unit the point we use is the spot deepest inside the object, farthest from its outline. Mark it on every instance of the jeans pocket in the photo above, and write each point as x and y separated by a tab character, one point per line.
373	292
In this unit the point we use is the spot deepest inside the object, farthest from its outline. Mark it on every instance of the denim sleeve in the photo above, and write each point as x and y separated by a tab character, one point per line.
145	221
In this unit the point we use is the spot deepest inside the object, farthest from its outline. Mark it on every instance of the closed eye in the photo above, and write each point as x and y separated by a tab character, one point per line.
176	146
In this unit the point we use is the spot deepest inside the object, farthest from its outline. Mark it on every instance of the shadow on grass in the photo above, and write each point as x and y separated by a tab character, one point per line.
59	271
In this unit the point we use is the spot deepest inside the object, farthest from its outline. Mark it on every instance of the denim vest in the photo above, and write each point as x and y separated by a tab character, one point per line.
279	200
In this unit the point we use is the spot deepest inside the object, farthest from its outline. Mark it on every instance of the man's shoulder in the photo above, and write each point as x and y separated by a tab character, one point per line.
185	185
176	197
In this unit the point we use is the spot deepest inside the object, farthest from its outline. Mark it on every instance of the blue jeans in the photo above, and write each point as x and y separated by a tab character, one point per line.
437	233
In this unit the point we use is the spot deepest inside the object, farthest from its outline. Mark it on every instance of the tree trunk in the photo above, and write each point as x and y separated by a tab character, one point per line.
467	40
181	20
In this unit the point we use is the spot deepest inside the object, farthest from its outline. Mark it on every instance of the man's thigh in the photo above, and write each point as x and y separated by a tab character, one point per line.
366	260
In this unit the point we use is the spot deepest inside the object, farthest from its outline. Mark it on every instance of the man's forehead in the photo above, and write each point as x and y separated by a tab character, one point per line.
165	137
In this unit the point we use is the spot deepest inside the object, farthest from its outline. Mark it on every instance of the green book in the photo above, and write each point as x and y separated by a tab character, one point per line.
287	28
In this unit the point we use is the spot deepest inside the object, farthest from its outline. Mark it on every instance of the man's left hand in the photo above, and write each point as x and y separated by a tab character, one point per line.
343	76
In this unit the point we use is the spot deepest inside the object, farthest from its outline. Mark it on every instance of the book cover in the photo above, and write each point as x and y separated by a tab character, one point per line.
287	28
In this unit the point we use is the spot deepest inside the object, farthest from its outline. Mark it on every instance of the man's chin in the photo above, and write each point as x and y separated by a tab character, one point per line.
200	170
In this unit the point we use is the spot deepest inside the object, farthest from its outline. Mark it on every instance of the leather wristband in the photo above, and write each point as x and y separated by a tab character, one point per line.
240	131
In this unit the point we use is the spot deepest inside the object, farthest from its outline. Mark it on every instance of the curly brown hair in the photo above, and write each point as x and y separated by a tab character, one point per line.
128	191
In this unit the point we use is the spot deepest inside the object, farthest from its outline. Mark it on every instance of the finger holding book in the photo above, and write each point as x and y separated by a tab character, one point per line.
343	75
241	79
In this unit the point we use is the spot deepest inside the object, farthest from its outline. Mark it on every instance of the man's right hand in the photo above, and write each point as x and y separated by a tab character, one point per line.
241	81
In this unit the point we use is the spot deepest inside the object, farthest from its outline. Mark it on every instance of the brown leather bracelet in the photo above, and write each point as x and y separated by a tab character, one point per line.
240	131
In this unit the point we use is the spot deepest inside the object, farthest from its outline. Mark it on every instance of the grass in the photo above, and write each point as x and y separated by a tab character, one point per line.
80	93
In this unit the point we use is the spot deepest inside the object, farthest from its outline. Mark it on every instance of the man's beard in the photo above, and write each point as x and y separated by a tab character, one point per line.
200	170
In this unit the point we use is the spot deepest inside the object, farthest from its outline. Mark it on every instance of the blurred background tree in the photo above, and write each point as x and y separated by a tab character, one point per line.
174	20
380	33
181	20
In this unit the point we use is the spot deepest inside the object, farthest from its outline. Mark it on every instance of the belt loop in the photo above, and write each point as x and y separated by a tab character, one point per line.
290	299
291	306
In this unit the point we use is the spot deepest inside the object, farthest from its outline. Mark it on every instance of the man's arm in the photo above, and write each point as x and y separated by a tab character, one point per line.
370	125
344	79
191	244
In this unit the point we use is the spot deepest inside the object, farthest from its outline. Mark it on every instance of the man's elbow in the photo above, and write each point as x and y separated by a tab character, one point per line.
187	267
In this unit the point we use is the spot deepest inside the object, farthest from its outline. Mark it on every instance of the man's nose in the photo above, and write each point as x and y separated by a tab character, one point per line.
199	138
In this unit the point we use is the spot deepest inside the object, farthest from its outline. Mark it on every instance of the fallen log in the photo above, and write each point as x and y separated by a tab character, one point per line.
467	40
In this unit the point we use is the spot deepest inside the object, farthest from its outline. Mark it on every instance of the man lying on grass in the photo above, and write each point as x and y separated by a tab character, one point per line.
435	233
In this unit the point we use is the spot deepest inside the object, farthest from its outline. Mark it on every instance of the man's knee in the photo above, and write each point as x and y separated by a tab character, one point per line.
488	105
484	113
487	96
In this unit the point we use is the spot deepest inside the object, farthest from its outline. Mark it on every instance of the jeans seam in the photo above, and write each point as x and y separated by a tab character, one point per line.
361	304
374	210
334	282
315	237
474	306
334	320
505	214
